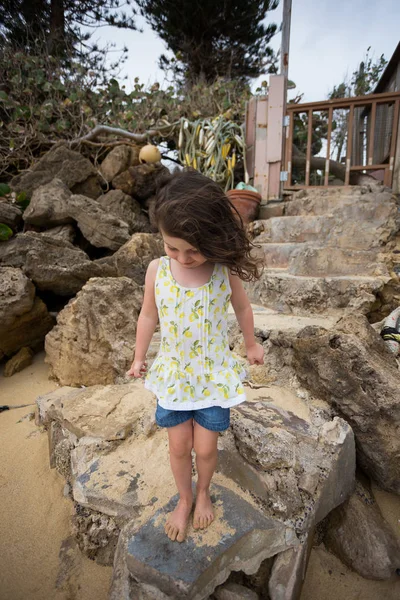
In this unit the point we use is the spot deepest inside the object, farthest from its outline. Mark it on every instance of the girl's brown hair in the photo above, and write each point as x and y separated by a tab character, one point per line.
194	208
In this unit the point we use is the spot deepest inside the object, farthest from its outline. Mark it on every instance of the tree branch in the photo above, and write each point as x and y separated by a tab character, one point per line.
105	129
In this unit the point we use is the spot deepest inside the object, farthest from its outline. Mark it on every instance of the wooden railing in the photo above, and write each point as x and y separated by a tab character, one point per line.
370	142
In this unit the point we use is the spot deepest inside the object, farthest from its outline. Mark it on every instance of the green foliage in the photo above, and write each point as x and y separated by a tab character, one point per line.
42	101
212	39
5	232
4	190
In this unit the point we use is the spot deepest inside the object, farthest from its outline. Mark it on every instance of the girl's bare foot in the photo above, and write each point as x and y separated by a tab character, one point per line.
177	521
203	512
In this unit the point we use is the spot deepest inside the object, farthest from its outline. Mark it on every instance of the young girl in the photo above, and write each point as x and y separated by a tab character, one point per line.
195	377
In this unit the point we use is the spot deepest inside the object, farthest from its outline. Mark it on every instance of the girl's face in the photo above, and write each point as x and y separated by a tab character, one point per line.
183	252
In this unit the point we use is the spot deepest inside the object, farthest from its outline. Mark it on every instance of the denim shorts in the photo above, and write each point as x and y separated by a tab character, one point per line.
214	418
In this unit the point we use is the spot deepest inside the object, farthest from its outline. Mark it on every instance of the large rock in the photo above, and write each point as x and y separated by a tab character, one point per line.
52	263
61	162
352	370
244	538
24	319
127	209
100	228
94	338
133	258
358	534
118	160
139	181
285	458
18	362
10	214
49	205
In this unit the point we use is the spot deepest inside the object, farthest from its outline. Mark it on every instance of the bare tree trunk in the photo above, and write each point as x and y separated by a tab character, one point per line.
57	28
335	168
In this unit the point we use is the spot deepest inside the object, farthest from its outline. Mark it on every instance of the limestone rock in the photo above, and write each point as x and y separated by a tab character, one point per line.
62	232
94	338
249	537
361	538
139	181
289	571
133	258
61	162
17	295
96	534
52	263
10	214
100	228
18	362
351	369
234	591
116	161
24	319
49	205
127	209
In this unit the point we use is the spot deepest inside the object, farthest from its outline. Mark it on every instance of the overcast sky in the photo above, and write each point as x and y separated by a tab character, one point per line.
328	39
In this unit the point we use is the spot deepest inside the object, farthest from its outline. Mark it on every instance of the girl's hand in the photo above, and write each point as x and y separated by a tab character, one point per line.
138	369
255	354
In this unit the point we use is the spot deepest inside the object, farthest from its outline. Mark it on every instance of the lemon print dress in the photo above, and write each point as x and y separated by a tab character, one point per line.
194	368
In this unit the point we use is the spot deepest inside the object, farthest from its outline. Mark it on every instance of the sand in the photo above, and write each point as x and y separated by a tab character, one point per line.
35	519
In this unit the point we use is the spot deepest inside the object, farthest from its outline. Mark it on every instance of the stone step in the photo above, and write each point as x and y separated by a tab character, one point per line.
267	319
287	293
325	201
361	226
308	259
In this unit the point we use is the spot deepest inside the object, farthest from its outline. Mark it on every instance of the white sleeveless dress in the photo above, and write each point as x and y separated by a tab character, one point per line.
194	368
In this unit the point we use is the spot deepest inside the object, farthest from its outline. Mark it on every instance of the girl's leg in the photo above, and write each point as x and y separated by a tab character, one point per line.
205	446
180	453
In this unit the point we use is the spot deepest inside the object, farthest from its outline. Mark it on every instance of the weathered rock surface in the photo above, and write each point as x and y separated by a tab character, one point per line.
127	209
361	538
62	232
102	229
234	591
133	258
285	292
24	319
52	263
118	160
195	568
49	205
18	362
352	370
10	214
94	338
69	166
139	181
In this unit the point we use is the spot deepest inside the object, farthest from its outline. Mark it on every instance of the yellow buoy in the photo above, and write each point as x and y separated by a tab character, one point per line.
149	154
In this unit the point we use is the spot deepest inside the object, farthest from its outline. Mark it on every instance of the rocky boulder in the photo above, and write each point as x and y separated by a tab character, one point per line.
127	209
140	181
133	258
52	263
49	205
358	534
10	214
99	227
352	370
70	167
24	319
94	338
118	160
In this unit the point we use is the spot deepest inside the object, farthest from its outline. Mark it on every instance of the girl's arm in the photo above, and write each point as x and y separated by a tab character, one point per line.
147	322
244	314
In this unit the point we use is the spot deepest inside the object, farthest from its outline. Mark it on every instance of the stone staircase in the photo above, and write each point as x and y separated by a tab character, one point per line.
324	250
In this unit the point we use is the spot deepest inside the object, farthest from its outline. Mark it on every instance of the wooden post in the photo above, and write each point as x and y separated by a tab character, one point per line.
396	163
260	148
275	139
285	45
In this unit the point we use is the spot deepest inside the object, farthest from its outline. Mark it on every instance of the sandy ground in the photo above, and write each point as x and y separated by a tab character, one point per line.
34	524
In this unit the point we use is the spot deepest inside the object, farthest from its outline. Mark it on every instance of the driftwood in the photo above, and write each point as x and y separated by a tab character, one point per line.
99	130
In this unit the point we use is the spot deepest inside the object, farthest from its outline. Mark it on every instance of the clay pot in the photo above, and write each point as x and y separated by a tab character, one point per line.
246	202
